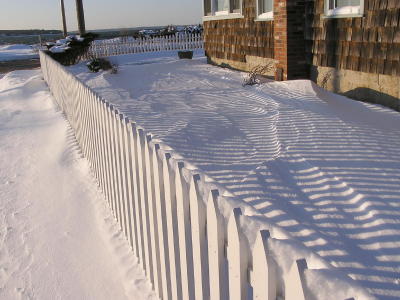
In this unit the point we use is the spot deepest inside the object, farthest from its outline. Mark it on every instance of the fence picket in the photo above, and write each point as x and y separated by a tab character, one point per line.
137	193
184	231
216	248
155	256
162	223
199	240
122	162
294	283
129	186
111	114
144	198
237	258
173	241
263	276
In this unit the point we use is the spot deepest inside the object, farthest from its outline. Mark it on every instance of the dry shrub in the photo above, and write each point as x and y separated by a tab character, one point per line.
253	76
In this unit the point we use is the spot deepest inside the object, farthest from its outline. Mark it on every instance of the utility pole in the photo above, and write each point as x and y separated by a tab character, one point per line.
81	17
63	18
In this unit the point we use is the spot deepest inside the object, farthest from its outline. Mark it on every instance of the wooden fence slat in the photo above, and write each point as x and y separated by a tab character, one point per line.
184	231
263	276
216	248
237	258
144	204
199	240
117	177
122	161
172	227
137	193
154	238
294	281
127	180
162	224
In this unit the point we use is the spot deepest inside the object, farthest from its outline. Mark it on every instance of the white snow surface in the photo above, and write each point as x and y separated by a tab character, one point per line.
17	51
57	237
322	167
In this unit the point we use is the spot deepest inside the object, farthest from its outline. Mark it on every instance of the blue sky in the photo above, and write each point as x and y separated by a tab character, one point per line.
99	14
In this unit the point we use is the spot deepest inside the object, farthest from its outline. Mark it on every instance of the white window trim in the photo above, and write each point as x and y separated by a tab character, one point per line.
344	12
268	16
223	14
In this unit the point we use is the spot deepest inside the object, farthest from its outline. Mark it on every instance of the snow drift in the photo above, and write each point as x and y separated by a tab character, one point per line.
322	167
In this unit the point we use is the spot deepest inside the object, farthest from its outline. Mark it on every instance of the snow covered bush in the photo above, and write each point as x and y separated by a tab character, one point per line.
69	51
97	64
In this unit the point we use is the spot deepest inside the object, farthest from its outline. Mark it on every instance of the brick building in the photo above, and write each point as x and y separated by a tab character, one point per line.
351	46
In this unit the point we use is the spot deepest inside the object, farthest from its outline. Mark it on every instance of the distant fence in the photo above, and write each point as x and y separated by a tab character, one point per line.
193	239
117	46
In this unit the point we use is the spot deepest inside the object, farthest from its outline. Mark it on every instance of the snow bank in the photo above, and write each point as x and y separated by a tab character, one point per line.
15	52
323	169
57	237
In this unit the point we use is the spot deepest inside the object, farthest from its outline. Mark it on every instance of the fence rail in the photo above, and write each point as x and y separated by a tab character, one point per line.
187	41
193	239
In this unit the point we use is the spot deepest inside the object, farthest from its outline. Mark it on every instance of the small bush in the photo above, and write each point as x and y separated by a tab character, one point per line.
253	77
97	64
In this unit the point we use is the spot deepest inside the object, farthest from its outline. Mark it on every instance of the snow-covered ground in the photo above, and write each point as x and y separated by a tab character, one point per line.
15	52
323	167
57	237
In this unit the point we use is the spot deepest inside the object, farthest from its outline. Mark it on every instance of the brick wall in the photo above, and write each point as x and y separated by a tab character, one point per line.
289	45
236	40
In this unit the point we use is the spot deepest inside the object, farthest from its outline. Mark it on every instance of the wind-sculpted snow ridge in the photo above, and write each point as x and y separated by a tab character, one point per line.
321	167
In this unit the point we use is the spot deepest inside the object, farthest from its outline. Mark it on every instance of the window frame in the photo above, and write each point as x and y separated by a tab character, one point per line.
222	14
268	16
335	13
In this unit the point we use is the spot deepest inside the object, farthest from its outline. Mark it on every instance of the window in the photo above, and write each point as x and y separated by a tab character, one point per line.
344	7
265	9
222	8
235	6
207	8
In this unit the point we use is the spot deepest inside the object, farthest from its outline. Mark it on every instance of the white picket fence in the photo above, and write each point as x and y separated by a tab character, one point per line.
193	239
184	41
